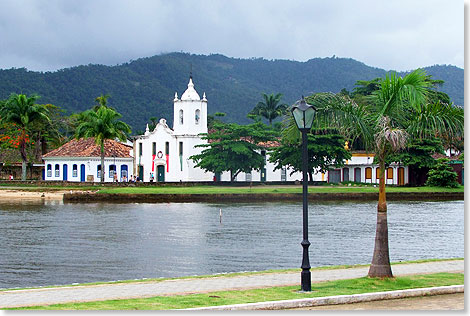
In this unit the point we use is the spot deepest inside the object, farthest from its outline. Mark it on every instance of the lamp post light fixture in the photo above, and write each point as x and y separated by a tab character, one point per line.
303	114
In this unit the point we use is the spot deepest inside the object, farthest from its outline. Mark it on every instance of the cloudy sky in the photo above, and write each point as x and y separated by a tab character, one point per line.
400	34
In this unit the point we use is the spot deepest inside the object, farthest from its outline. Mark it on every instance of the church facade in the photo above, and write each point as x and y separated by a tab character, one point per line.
162	155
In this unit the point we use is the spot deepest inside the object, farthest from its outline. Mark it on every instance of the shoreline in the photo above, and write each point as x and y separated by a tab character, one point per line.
13	195
74	196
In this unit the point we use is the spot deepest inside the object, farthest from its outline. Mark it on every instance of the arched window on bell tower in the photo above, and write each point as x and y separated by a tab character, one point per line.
181	117
197	117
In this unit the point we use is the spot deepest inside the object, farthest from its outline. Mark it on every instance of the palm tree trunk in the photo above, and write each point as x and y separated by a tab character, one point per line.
24	157
380	266
102	162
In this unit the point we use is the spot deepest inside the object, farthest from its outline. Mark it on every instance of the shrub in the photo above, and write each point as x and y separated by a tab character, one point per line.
442	175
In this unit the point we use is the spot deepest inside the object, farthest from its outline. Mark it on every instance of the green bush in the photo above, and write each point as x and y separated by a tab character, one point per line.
442	175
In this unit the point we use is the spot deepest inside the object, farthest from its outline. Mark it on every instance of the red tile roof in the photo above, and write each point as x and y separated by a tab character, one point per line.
88	148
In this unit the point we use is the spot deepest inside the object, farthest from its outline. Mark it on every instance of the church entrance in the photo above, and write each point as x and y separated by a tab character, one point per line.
161	173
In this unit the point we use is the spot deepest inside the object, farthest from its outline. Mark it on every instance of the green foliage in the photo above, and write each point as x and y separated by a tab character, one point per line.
442	175
232	147
102	123
145	87
270	108
418	153
212	119
324	152
102	100
276	293
23	112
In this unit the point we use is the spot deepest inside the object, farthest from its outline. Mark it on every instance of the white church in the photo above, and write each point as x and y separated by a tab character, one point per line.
162	155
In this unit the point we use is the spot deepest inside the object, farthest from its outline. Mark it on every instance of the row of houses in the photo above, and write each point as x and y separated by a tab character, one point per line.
162	155
79	161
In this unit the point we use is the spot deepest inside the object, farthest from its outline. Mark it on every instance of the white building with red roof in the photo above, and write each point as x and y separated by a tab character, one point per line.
80	161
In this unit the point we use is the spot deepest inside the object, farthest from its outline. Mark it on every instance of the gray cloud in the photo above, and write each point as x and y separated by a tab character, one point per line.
399	34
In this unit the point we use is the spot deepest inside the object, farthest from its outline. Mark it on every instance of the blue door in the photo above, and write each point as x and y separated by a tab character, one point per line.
64	172
82	173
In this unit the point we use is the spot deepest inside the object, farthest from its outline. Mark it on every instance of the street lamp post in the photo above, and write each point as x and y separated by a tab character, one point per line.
303	115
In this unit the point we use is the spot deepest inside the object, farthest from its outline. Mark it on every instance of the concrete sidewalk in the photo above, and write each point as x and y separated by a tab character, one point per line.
46	296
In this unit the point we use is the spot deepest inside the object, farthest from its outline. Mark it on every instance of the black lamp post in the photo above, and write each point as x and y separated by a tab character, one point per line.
303	115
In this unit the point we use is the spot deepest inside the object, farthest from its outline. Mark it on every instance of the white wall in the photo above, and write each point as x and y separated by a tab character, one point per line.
91	165
176	168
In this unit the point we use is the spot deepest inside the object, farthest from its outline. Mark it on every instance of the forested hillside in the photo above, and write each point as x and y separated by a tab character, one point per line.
145	87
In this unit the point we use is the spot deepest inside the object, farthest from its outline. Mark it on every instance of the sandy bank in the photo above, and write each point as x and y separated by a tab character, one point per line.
19	195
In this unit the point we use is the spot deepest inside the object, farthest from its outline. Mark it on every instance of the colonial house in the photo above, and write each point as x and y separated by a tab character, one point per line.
360	168
80	161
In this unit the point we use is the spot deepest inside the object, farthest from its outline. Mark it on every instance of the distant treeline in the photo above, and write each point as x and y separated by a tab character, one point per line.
145	87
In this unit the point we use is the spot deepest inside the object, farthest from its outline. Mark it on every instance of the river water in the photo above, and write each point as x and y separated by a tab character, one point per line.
52	243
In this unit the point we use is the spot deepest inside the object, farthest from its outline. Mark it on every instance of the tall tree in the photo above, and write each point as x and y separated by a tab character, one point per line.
102	100
270	108
102	124
398	112
418	156
234	148
324	152
23	111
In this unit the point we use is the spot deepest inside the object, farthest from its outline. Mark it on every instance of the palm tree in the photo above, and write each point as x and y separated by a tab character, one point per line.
23	112
397	112
102	100
102	124
270	108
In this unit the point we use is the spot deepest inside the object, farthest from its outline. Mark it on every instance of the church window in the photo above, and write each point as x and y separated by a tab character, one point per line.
167	148
181	117
198	116
154	148
140	149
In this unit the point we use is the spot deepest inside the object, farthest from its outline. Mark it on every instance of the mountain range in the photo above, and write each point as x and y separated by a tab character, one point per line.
145	88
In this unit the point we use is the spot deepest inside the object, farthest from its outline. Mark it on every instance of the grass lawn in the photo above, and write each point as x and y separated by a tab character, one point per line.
329	288
267	189
223	189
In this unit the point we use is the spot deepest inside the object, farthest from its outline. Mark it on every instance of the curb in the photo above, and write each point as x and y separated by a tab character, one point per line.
339	299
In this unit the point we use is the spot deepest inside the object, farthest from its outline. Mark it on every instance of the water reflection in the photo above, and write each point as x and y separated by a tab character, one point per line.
54	243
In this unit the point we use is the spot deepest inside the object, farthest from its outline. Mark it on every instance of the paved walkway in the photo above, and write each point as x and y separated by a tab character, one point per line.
438	302
30	297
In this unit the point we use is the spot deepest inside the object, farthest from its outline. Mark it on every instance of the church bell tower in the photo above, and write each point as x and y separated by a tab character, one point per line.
190	112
